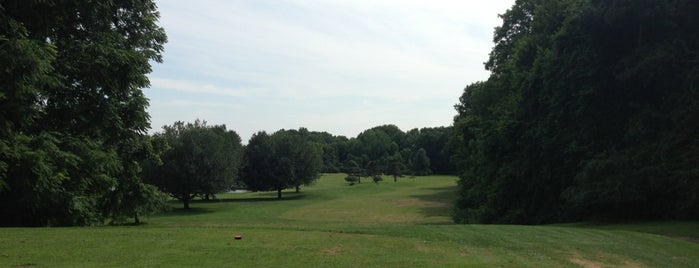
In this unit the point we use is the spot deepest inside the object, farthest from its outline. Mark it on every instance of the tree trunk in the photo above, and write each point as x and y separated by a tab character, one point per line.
297	188
135	218
185	200
395	178
279	193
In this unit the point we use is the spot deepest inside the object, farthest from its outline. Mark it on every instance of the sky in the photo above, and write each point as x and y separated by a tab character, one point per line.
338	66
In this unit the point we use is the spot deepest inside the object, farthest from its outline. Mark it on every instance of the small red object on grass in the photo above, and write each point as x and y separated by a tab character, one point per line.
238	237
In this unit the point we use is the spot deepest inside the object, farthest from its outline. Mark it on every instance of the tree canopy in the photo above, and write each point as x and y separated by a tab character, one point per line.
73	115
590	112
285	159
388	149
199	160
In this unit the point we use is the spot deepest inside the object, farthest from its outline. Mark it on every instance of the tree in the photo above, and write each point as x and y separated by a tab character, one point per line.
421	163
374	170
284	159
583	116
395	166
374	144
202	160
142	199
259	164
73	117
354	170
304	156
331	145
435	142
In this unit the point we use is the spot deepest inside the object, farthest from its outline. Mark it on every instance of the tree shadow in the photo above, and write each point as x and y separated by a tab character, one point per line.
441	195
128	223
178	210
264	198
259	197
187	211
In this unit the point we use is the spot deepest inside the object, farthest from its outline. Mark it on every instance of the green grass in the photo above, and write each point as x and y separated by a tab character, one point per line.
331	224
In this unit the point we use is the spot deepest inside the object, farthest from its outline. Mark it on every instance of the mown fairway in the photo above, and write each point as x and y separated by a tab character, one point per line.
404	224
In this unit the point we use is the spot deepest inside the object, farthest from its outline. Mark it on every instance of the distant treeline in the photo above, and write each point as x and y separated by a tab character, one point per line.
591	112
199	160
416	152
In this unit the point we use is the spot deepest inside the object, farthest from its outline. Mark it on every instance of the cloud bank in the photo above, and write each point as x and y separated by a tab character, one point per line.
336	66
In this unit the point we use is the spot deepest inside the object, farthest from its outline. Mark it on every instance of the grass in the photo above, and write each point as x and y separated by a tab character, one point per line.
331	224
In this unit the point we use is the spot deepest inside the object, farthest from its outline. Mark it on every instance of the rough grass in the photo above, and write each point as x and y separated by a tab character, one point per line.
331	224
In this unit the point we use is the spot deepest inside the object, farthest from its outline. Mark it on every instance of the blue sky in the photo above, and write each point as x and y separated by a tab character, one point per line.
336	66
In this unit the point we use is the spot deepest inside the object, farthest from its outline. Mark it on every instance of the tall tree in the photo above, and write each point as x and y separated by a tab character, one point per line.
73	117
583	115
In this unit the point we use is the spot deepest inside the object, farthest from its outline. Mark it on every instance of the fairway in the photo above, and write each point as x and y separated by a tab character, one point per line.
332	224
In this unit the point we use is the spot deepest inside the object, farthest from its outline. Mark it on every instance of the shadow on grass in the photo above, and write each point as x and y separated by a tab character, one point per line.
263	197
128	223
442	195
198	206
187	211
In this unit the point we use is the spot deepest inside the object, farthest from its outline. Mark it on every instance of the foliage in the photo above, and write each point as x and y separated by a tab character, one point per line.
395	166
351	179
421	163
388	149
287	158
201	160
73	118
586	115
435	143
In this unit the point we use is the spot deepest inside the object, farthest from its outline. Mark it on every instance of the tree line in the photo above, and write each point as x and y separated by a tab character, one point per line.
591	112
416	152
200	160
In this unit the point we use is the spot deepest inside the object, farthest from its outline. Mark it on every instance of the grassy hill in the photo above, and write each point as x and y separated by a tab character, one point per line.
331	224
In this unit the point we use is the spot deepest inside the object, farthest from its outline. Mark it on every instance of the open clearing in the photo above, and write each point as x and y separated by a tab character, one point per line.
331	224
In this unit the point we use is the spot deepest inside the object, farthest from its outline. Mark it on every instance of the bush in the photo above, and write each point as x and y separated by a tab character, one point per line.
351	179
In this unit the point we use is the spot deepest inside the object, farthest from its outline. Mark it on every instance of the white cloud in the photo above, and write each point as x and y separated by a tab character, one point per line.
278	58
194	87
193	104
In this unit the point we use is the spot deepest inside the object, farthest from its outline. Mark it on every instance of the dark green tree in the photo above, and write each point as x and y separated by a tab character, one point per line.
435	142
73	116
395	134
304	155
332	147
375	145
201	160
583	115
395	166
282	160
259	163
354	170
420	163
374	170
